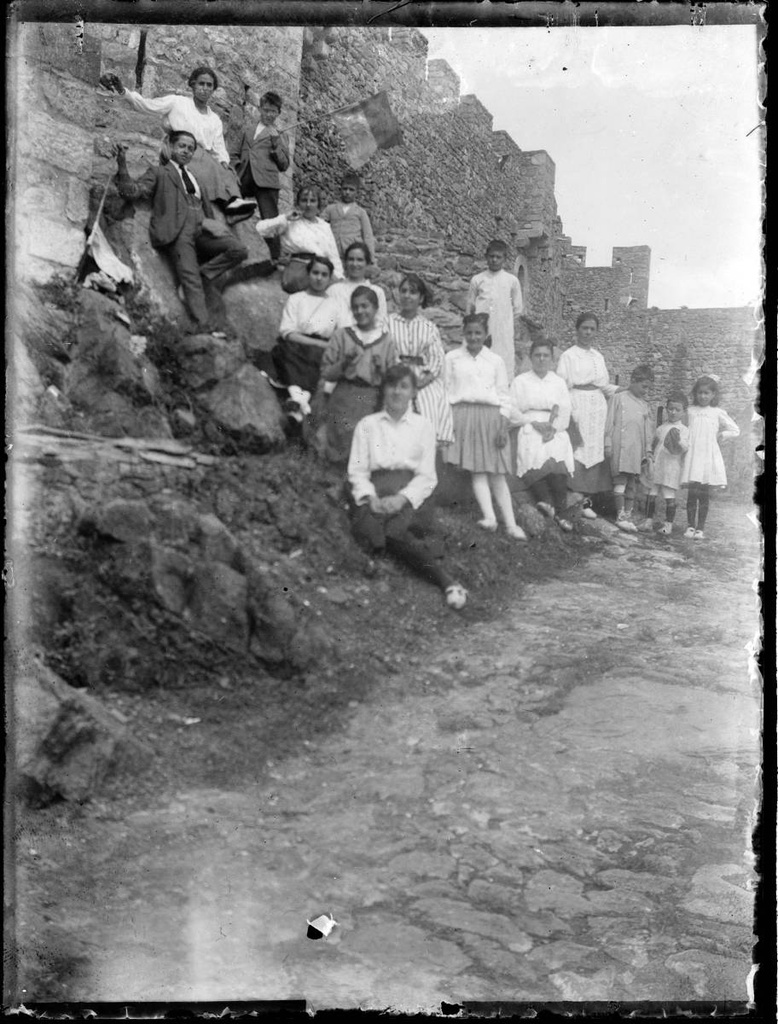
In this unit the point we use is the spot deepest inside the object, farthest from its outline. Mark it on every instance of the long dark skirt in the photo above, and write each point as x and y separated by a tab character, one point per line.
594	480
219	184
346	406
297	364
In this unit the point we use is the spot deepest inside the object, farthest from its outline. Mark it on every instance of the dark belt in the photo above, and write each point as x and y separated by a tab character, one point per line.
390	481
302	257
585	387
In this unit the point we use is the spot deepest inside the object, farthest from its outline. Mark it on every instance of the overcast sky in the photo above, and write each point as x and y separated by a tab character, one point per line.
648	128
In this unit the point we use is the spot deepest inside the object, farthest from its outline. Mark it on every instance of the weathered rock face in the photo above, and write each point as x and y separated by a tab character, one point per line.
65	741
246	408
205	360
110	384
189	563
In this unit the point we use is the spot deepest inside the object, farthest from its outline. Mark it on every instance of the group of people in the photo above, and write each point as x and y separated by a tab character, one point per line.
388	401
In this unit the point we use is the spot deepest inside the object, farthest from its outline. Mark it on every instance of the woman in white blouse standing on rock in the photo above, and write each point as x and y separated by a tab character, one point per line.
584	371
211	161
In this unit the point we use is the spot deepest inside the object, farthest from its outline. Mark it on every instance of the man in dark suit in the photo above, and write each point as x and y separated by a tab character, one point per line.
258	156
182	226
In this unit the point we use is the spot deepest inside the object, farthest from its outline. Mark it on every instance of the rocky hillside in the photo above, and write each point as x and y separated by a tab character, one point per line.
167	538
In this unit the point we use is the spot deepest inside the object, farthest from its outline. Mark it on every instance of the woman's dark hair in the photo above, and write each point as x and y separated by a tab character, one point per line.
419	285
476	318
307	188
394	375
369	293
349	178
359	245
324	262
203	69
497	245
587	316
679	397
707	382
271	99
541	343
641	372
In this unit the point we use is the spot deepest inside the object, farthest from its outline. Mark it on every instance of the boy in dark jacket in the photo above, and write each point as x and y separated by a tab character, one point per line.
259	155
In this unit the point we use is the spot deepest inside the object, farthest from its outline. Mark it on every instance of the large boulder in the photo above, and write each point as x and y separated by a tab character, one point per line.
245	407
254	311
205	359
65	741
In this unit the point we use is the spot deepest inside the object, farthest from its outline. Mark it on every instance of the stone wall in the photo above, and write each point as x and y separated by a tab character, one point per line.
64	128
452	174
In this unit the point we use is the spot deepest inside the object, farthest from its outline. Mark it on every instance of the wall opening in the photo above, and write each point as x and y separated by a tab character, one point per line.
607	305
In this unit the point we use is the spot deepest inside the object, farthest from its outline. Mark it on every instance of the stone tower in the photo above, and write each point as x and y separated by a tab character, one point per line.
635	263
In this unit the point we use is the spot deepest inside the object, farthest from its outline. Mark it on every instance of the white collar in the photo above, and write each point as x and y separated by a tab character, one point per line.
405	418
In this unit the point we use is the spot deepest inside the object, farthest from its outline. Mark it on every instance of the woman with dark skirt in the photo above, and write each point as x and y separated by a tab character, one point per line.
352	368
391	474
584	371
307	324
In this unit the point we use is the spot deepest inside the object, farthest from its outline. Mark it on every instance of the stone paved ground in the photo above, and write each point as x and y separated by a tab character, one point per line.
557	809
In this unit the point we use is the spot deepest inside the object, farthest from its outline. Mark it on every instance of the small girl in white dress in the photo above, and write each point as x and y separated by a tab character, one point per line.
703	466
671	442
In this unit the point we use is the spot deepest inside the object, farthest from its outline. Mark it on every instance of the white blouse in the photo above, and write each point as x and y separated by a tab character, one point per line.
309	314
579	365
480	379
181	115
301	235
533	398
381	442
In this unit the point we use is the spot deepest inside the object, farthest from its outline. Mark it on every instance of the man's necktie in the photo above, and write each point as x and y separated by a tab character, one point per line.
189	185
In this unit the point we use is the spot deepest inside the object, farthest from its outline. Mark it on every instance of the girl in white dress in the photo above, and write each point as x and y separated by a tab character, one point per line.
211	162
703	466
419	346
540	405
670	444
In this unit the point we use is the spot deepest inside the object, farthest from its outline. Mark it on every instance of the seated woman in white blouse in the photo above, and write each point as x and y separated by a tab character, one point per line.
303	234
308	322
391	474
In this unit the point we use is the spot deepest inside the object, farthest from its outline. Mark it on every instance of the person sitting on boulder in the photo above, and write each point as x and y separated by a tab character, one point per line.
182	226
211	161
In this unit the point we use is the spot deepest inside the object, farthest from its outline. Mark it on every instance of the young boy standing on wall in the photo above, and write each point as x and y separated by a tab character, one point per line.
258	157
348	220
498	294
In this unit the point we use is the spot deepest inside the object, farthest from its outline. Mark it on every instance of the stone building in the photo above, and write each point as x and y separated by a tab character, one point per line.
436	200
